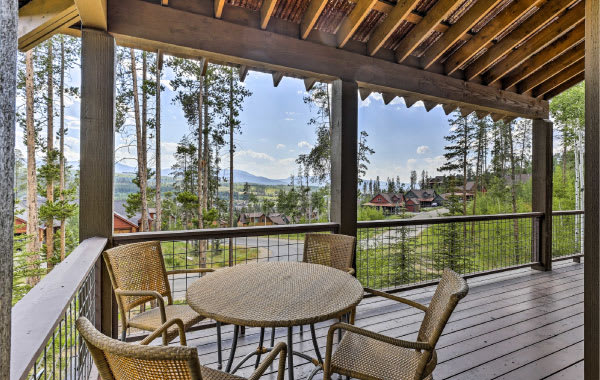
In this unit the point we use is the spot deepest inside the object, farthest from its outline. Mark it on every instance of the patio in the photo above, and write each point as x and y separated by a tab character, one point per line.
533	329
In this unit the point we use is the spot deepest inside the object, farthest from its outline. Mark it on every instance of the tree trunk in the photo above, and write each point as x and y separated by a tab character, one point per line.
231	151
206	131
144	182
201	164
140	144
564	162
158	215
33	244
465	164
49	150
513	193
63	222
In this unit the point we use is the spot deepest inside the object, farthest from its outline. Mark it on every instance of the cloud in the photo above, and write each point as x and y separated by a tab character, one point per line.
304	144
280	146
423	149
254	155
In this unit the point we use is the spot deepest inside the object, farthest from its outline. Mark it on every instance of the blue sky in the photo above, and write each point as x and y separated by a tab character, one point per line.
275	131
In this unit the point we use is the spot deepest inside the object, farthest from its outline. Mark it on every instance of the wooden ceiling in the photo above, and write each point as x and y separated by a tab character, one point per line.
500	57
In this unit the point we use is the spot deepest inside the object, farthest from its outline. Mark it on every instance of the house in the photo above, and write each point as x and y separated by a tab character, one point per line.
124	224
412	205
438	180
426	197
21	218
260	219
389	203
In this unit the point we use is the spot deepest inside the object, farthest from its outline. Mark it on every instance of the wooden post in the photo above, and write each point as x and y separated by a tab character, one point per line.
542	188
344	145
591	271
8	75
97	156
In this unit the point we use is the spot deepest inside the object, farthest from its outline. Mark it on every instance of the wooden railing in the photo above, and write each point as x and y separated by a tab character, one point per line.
45	343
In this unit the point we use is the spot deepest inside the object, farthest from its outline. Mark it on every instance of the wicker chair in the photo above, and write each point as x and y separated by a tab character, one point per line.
117	360
363	354
138	275
333	250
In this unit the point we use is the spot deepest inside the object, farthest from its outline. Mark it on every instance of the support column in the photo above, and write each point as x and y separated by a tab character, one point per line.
591	277
97	156
344	146
8	75
542	166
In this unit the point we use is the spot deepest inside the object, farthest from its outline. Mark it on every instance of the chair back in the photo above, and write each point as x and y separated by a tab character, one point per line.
333	250
451	289
137	266
117	360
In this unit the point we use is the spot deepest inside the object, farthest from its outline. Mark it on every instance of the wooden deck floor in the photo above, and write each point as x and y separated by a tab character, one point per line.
521	324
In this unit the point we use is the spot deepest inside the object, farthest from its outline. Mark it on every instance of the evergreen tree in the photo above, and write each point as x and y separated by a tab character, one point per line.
413	179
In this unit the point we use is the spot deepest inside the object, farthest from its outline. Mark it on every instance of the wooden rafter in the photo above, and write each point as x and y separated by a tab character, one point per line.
457	31
93	13
496	117
310	17
309	83
536	43
429	105
485	36
559	78
266	11
353	21
380	35
423	29
40	20
552	68
364	93
388	97
565	86
277	77
481	114
218	5
243	71
530	26
410	100
466	111
449	108
290	54
533	64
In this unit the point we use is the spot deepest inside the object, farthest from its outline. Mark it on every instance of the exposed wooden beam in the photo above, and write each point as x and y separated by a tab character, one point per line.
266	11
277	77
429	105
153	29
481	114
409	100
559	78
353	21
465	111
380	35
93	14
496	117
449	108
388	97
536	43
309	83
508	119
41	19
552	68
457	31
422	30
218	5
530	26
485	36
364	93
243	72
314	10
565	86
558	47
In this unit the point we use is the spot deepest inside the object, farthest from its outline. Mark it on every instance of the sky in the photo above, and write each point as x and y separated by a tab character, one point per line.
275	131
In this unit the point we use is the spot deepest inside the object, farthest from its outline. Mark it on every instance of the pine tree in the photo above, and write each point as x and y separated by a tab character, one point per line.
413	179
157	138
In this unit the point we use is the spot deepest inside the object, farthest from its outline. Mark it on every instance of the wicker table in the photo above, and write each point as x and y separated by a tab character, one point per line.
276	294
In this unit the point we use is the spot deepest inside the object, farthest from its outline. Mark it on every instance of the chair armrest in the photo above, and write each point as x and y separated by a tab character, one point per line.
194	270
279	349
159	331
369	334
147	293
397	299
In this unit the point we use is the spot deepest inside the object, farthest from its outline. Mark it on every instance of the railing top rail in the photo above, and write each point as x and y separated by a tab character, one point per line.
446	219
31	330
223	233
568	212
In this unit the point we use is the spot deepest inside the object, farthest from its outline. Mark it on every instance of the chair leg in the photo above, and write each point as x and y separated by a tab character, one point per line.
243	329
236	332
260	347
123	334
273	337
219	348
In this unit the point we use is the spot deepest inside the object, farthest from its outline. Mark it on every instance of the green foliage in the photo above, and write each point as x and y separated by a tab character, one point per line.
370	213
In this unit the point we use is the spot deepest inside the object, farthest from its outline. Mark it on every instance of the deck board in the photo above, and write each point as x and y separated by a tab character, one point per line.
521	324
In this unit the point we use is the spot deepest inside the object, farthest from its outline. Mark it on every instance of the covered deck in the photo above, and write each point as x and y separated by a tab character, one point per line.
520	324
